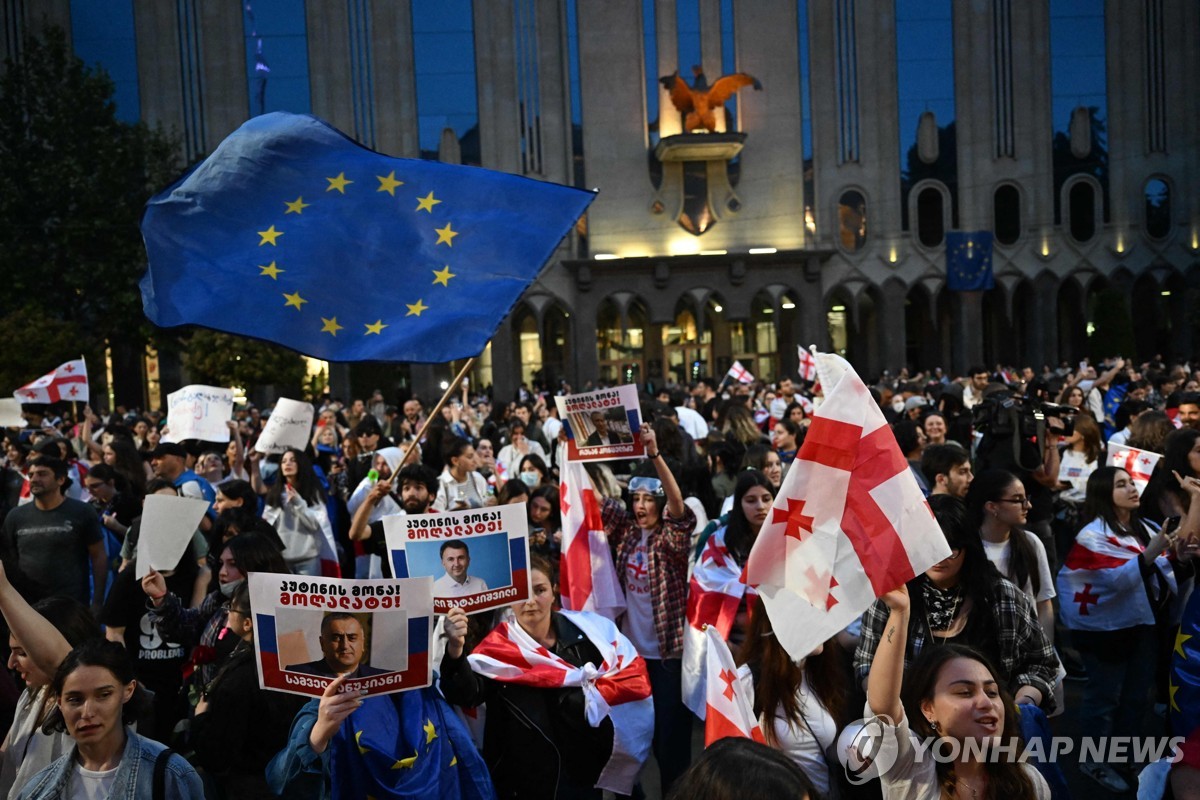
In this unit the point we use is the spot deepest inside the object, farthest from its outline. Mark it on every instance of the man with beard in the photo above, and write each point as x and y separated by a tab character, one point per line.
418	488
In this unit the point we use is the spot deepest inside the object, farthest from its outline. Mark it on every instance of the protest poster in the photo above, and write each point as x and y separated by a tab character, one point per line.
602	425
309	630
10	413
289	425
199	412
167	527
478	558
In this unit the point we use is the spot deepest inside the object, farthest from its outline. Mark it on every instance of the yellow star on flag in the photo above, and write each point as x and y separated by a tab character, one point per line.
415	309
297	206
453	761
1180	639
430	731
406	763
389	183
330	326
377	327
1173	689
445	235
271	271
443	276
270	235
339	183
295	300
358	741
427	203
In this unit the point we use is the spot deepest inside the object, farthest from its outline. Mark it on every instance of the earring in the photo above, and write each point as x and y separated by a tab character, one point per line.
933	724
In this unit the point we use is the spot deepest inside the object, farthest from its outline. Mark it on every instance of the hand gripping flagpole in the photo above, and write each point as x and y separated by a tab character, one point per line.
455	384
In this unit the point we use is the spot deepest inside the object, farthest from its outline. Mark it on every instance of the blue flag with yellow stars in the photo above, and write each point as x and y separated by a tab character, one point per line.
1184	681
293	233
969	261
407	745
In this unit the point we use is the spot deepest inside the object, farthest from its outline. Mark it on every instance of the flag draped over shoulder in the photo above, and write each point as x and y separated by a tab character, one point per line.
715	591
969	261
730	695
408	744
586	573
849	522
67	381
292	232
1100	585
1138	463
618	689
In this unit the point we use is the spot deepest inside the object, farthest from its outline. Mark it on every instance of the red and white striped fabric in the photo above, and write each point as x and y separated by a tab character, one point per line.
730	696
740	373
717	587
808	365
848	524
1138	463
586	573
67	381
619	689
1101	587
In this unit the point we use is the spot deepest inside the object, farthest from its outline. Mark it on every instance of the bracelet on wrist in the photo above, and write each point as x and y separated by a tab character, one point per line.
653	455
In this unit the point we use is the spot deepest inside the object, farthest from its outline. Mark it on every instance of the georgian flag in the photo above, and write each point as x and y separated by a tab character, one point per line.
848	524
716	590
740	373
618	689
586	573
68	381
1138	463
808	365
730	695
1100	586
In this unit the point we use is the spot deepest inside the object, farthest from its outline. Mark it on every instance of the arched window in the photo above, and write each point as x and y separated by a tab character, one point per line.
620	350
931	219
852	220
1158	208
1006	214
1081	211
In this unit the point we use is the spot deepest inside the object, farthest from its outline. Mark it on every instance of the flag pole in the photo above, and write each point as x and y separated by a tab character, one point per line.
455	385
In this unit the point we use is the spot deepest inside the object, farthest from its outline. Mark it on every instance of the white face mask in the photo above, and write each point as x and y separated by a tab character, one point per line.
898	404
227	589
529	478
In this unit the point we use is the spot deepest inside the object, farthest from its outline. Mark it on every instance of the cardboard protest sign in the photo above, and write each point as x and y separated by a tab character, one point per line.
478	558
167	527
199	412
602	425
10	413
288	426
309	630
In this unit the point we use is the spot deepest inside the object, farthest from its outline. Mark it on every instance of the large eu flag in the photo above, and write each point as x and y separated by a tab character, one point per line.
969	261
292	232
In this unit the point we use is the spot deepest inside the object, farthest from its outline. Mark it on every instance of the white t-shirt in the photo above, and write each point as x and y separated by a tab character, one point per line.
1075	469
26	749
692	421
446	586
1001	553
806	742
638	624
86	784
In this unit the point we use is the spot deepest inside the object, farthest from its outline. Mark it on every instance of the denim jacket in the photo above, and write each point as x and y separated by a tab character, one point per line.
135	776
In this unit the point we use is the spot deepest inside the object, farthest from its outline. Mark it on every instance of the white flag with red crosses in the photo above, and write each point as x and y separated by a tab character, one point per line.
808	366
1138	463
68	381
849	522
730	696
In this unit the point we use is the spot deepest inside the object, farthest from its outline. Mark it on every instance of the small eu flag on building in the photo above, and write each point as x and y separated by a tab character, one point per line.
293	233
969	261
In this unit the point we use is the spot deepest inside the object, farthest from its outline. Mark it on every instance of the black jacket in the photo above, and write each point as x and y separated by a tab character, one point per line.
537	742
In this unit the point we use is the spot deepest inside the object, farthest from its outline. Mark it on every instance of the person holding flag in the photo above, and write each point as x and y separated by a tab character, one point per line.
1164	496
568	697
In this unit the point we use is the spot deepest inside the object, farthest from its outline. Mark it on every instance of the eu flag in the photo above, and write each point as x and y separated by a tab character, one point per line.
406	745
294	233
969	261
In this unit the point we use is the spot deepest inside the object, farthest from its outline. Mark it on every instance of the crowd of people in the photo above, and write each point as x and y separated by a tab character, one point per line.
1059	569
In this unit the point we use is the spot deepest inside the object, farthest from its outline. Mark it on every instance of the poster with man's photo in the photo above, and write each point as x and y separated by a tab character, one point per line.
478	558
602	425
308	631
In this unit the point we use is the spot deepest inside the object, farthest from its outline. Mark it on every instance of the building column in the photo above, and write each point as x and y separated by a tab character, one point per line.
506	363
967	342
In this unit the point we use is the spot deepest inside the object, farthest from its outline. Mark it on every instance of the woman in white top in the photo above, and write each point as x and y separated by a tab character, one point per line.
950	693
997	507
1084	452
295	506
508	460
41	637
459	485
801	707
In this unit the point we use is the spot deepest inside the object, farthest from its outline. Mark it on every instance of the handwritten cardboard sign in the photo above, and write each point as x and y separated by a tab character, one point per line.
288	426
199	412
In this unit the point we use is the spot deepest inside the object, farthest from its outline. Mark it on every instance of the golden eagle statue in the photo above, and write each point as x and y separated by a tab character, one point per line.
699	100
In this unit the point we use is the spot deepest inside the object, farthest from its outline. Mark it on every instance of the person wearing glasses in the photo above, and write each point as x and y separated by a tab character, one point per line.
998	507
650	551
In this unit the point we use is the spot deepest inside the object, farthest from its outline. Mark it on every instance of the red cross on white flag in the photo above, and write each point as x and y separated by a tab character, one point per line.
808	366
848	524
586	572
729	696
68	381
1138	463
739	373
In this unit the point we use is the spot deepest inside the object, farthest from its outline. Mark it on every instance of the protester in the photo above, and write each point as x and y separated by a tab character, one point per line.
784	440
947	470
734	768
508	460
1165	496
545	522
460	486
295	505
